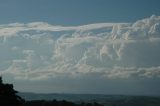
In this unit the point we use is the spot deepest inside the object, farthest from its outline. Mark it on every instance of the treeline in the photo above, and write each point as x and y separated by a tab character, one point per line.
58	103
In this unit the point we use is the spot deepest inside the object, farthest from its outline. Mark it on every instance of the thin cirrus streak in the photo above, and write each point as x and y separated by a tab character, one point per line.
39	50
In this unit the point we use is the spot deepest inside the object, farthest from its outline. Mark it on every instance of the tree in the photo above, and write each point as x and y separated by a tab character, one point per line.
8	95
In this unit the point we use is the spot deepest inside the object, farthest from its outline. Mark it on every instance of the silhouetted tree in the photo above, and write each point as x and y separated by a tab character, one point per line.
8	95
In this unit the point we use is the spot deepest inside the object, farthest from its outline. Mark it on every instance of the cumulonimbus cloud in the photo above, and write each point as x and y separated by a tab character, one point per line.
112	50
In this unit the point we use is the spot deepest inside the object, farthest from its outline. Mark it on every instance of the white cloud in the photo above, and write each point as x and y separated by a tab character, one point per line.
39	50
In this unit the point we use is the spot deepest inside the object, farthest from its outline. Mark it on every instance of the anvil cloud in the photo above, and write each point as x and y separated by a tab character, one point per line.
38	50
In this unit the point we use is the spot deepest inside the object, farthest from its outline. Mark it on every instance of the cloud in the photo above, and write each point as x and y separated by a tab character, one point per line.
40	50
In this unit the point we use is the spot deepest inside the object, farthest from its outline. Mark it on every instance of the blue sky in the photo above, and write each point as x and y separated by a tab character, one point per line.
76	12
81	46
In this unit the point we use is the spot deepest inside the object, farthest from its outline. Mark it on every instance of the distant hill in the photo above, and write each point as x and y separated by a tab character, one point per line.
106	100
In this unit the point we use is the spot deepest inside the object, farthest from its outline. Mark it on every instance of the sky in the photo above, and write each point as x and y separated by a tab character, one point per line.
81	46
76	12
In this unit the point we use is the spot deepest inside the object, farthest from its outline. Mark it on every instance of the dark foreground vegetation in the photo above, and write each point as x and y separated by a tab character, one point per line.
58	103
8	95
